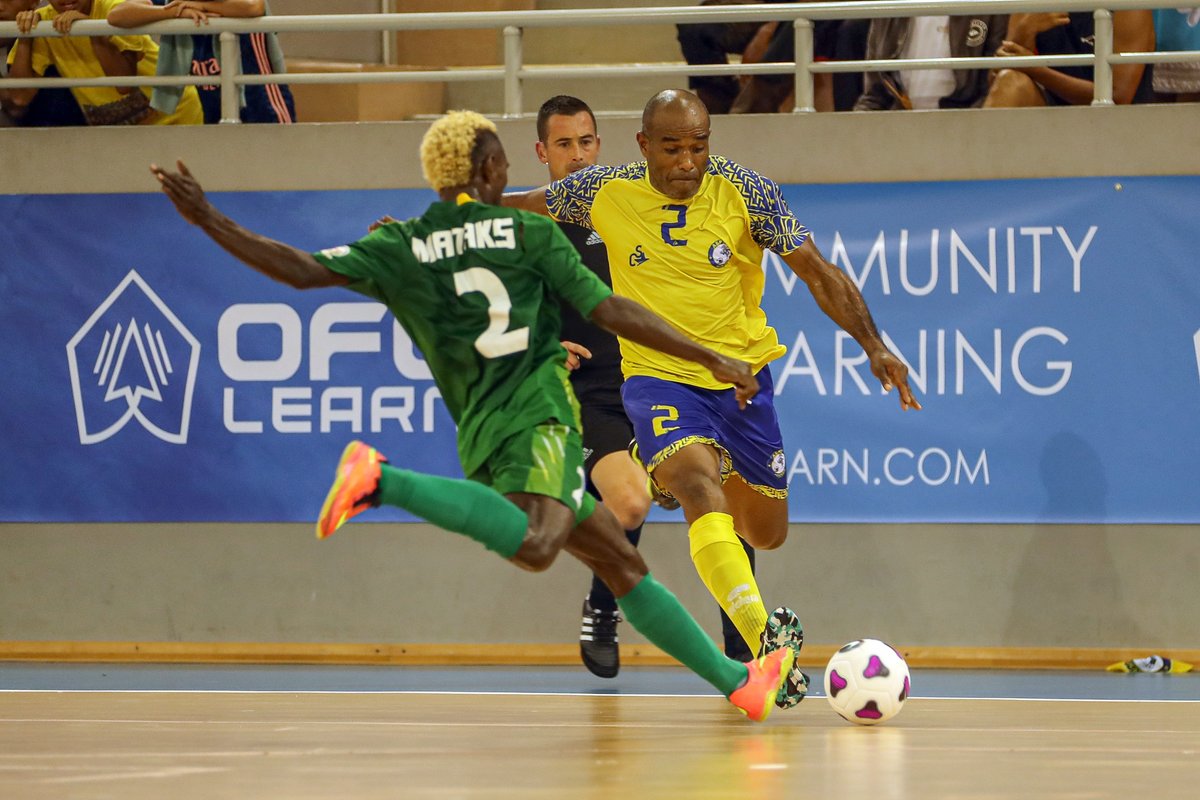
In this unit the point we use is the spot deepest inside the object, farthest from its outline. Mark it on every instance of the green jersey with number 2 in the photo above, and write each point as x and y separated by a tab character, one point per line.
477	288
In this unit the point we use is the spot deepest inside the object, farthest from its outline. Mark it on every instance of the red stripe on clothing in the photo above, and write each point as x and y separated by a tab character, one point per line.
259	42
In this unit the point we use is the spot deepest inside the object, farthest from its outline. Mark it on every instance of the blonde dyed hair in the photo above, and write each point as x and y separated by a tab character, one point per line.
447	147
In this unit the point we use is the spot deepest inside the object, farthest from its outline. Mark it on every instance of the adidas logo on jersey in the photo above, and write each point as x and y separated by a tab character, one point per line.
594	239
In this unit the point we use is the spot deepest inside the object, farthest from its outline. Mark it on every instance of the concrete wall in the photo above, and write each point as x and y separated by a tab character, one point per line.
968	585
363	46
936	585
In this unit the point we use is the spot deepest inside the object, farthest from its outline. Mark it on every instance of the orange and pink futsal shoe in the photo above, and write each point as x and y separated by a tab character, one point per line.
354	487
756	697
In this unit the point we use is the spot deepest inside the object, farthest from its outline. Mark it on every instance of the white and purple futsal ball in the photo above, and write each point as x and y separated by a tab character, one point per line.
867	681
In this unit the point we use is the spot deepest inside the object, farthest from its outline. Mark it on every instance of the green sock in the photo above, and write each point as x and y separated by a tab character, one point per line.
458	505
660	617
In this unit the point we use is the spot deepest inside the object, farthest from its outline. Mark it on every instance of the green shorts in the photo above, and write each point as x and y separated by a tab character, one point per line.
546	459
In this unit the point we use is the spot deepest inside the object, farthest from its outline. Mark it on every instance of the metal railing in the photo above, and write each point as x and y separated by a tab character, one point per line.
514	71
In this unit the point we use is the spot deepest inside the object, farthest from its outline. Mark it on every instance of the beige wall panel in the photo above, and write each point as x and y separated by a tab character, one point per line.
453	48
361	46
920	585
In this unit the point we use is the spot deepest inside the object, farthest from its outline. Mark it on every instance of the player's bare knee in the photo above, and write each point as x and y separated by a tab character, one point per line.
763	534
770	540
630	508
696	490
537	552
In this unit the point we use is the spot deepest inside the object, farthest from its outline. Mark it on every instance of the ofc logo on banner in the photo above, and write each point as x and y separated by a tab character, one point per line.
133	359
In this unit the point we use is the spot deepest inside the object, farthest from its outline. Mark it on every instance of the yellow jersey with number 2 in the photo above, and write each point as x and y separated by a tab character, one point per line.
696	262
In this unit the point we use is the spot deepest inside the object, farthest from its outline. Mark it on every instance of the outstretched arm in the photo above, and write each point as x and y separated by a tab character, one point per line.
277	260
838	297
533	200
628	319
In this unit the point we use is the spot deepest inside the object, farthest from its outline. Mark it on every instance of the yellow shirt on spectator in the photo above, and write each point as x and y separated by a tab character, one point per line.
102	105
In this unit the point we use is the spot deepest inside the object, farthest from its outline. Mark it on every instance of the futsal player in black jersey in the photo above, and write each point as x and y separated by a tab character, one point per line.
567	141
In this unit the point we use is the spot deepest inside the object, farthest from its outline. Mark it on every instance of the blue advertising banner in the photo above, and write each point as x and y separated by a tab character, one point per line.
1052	328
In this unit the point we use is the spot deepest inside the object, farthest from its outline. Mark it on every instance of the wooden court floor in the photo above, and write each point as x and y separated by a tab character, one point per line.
358	746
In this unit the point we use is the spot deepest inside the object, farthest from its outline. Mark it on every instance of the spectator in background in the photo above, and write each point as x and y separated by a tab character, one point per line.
833	40
713	43
969	36
50	107
1057	33
199	55
1178	29
92	57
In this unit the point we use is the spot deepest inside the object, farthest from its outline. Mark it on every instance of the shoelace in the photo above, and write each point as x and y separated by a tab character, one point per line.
604	624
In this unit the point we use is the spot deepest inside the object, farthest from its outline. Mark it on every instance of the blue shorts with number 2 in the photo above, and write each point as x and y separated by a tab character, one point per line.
668	416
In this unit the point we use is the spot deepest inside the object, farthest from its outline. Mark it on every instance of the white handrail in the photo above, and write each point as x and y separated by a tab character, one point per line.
514	71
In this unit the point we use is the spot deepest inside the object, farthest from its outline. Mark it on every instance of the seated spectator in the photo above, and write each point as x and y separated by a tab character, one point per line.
833	40
199	55
713	43
969	36
1056	33
50	107
1178	29
93	57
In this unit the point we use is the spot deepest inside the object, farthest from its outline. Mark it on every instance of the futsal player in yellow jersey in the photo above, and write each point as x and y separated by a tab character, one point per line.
685	235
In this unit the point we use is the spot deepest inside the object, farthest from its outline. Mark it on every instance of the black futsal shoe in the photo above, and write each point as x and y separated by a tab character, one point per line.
598	641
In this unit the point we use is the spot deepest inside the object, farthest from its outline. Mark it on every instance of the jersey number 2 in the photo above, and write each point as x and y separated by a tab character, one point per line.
679	224
497	340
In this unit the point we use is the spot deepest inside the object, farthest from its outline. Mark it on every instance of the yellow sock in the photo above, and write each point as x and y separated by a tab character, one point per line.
725	570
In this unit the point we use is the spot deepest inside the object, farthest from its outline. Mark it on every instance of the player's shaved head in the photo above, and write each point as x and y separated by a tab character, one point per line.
672	108
674	140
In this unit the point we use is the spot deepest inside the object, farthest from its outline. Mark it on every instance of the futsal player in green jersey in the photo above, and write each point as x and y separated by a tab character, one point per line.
685	233
476	287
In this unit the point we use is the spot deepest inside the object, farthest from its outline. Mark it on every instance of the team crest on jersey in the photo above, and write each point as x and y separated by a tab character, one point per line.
638	257
594	239
977	33
778	463
719	254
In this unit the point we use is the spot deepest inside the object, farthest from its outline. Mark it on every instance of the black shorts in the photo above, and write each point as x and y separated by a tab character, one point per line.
606	429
